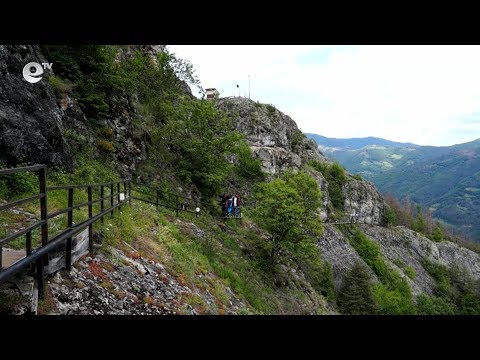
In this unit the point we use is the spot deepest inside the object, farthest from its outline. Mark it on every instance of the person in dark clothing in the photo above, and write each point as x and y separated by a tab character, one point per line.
238	204
224	204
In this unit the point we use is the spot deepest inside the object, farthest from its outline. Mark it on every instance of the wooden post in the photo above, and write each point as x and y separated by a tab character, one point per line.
90	215
68	250
42	177
158	198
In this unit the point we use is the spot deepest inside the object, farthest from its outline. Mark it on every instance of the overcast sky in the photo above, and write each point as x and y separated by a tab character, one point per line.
428	95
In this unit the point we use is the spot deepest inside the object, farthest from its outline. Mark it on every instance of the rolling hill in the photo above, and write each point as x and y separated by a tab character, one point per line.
446	178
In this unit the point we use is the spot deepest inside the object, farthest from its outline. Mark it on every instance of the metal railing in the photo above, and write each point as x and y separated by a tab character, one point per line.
40	255
155	196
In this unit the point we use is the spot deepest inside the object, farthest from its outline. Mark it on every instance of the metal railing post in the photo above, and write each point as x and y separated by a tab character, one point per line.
118	195
176	206
90	215
102	202
28	243
42	177
68	254
111	199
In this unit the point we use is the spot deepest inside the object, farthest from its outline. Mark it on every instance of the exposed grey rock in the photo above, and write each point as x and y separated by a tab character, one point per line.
126	289
335	248
31	129
364	199
273	136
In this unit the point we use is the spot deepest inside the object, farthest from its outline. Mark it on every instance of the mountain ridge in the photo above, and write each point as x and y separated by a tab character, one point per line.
443	178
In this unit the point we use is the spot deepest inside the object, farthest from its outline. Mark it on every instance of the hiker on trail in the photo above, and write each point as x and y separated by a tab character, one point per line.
235	204
229	205
237	208
223	203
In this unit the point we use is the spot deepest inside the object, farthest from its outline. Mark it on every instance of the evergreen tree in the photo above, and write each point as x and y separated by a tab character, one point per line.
355	296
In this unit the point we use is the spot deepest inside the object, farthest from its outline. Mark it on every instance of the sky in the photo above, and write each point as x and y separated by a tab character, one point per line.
427	95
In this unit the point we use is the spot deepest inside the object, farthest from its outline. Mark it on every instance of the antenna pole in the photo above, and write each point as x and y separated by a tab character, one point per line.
249	86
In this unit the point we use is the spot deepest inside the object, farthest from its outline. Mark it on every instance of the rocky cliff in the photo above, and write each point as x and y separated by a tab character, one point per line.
275	138
31	122
39	125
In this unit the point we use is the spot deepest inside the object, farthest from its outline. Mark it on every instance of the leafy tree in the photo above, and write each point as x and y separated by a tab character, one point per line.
389	217
355	296
249	167
336	178
282	209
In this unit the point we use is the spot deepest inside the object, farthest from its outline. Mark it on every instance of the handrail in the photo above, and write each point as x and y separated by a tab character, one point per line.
20	169
66	187
40	255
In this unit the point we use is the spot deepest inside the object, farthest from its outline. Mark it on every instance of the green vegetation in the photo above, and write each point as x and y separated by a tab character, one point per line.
18	184
249	167
297	139
393	294
443	178
356	296
410	272
336	176
223	256
60	86
286	208
8	302
433	305
455	290
389	217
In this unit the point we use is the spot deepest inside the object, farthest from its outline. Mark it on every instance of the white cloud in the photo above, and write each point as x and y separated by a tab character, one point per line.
420	94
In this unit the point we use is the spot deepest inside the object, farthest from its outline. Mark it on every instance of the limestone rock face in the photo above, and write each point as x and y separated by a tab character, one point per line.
273	136
364	200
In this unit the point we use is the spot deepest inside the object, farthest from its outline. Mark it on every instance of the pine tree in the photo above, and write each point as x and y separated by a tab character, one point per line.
355	296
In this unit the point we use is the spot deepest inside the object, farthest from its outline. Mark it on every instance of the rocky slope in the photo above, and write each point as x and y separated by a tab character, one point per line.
273	137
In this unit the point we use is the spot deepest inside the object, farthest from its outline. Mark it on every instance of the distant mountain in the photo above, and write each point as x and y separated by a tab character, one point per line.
355	143
444	178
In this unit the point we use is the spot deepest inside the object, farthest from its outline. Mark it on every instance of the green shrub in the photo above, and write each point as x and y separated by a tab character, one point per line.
393	301
410	272
271	109
18	184
249	167
60	87
389	217
107	132
297	139
336	177
433	305
106	146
